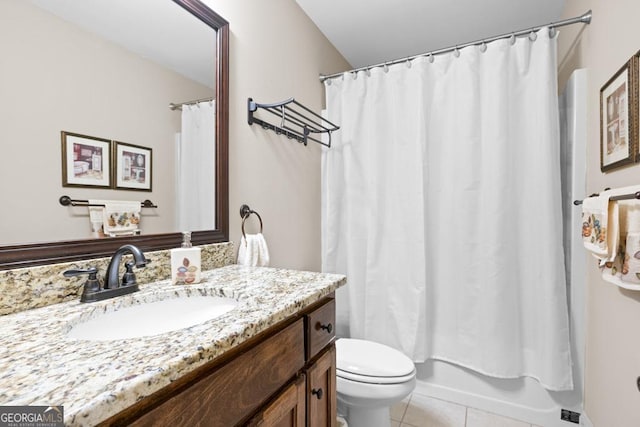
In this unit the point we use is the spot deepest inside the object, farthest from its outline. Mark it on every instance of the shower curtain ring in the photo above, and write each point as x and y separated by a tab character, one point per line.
532	35
431	58
456	52
483	46
512	39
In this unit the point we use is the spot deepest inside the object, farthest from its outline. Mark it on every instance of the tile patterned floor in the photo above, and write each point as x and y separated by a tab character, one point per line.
423	411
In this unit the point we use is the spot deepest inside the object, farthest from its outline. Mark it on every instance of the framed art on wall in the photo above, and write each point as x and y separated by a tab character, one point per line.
86	161
133	166
617	138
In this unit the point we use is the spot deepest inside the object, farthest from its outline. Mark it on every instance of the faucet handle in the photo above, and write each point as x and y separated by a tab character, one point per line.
129	278
92	284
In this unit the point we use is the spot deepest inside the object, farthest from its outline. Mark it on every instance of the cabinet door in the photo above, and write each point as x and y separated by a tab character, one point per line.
321	390
287	410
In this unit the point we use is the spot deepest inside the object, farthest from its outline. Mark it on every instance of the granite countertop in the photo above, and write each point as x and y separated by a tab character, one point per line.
93	380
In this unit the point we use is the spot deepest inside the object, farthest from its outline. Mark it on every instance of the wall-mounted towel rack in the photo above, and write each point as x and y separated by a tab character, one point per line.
68	201
630	196
245	212
296	121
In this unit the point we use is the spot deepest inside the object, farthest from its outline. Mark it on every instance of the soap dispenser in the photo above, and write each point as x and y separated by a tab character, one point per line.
185	262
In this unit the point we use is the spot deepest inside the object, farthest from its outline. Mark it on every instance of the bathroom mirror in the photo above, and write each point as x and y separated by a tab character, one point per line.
38	151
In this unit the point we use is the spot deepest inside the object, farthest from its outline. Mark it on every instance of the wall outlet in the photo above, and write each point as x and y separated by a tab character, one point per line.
572	417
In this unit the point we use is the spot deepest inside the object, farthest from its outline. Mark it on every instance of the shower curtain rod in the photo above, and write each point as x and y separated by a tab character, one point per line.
584	18
178	106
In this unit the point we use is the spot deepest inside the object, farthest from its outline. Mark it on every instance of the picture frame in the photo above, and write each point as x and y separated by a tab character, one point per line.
133	167
86	161
635	102
618	139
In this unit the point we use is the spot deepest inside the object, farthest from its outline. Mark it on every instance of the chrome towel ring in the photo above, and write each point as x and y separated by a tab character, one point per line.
245	212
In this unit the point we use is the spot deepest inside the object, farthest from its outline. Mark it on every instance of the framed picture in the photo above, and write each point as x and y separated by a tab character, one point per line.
635	102
86	161
617	138
133	166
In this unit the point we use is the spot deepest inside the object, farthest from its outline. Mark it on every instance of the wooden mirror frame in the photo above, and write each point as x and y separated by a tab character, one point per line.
16	256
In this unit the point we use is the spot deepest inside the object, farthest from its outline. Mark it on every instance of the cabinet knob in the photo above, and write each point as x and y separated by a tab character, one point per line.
328	327
317	392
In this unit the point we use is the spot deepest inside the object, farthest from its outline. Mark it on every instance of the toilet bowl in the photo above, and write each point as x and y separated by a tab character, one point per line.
370	378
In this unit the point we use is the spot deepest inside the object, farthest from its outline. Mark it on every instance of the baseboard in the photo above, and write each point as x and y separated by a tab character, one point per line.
537	417
584	420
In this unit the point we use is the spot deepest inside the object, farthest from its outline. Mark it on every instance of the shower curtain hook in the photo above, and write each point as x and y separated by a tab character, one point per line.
483	46
368	72
532	35
552	32
385	68
456	52
512	39
431	58
408	63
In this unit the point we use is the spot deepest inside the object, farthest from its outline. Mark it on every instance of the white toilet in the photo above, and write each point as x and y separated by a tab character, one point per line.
370	378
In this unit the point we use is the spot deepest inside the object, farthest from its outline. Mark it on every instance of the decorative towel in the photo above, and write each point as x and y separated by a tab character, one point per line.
96	216
600	226
629	216
253	251
121	218
630	271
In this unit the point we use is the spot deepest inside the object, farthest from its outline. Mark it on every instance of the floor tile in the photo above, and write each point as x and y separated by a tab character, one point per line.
397	410
478	418
424	411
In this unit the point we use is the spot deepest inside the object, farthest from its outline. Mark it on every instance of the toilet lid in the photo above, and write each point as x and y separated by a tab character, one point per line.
359	358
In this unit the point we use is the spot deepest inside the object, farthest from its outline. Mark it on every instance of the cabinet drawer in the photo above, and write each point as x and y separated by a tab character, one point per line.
320	325
238	388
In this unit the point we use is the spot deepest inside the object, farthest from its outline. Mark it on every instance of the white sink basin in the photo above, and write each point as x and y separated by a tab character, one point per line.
152	318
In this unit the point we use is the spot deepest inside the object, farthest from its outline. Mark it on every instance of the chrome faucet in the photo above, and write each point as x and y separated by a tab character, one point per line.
129	279
112	286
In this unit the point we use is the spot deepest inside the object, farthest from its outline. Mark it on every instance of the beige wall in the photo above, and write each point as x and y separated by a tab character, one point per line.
613	314
276	53
55	76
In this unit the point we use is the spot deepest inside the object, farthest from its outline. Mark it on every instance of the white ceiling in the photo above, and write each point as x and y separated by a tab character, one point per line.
369	32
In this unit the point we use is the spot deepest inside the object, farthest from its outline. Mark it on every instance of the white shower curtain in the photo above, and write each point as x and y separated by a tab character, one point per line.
195	193
442	205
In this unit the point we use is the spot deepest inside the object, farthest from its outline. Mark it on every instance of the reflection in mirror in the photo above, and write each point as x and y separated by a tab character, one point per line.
110	70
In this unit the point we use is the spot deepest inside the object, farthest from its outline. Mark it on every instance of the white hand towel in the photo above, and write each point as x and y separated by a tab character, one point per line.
253	251
121	217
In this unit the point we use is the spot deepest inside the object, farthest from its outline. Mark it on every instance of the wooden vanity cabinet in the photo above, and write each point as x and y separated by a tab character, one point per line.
285	376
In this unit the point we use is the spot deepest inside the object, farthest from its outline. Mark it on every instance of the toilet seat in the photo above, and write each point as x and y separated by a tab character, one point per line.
375	380
372	363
